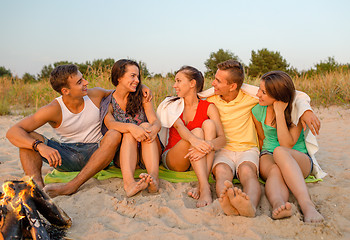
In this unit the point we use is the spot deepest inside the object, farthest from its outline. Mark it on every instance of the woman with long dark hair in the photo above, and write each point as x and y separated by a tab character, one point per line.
136	120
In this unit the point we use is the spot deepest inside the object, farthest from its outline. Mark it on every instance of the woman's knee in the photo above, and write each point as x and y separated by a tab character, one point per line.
279	154
198	132
280	150
112	137
128	138
209	128
208	125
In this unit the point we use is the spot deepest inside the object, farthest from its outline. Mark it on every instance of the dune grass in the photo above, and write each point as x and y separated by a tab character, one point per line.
17	97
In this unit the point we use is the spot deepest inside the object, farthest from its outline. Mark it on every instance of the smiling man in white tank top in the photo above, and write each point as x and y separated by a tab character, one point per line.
75	118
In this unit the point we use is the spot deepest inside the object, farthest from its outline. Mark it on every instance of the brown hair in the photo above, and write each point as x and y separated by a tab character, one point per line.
59	76
134	104
236	71
279	85
192	74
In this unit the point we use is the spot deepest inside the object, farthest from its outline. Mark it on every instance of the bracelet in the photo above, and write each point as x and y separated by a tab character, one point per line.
35	145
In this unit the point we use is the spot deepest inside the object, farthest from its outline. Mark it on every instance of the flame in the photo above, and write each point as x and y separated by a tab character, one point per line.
14	201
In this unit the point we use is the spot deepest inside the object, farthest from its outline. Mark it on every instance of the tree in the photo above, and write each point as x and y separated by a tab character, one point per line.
5	72
45	71
158	75
144	70
264	61
327	66
217	57
28	78
102	63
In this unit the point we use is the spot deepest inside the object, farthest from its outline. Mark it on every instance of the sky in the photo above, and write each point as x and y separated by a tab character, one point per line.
167	34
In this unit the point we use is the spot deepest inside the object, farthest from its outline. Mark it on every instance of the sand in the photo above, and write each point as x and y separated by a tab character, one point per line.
101	210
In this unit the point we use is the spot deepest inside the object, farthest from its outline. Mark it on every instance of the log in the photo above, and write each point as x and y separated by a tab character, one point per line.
45	205
11	227
37	230
19	212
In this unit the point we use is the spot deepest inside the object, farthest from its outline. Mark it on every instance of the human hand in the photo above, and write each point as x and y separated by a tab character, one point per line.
194	155
279	106
310	119
151	132
51	155
139	133
146	93
202	145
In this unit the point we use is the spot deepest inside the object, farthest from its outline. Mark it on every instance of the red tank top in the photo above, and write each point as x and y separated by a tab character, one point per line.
200	116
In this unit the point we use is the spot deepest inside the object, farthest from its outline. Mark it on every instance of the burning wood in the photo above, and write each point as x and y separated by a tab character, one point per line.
19	207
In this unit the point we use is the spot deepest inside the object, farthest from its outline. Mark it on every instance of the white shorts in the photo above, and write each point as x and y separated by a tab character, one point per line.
235	159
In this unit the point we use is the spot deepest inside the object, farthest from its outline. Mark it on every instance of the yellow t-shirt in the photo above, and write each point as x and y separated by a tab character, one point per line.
236	118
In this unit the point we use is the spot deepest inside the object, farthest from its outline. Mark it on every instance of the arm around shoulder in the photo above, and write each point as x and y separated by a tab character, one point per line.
96	94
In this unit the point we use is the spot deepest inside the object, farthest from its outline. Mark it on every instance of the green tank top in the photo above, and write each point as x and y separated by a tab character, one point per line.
271	140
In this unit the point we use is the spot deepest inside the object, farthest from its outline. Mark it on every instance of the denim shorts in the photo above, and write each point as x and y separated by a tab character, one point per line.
270	153
74	155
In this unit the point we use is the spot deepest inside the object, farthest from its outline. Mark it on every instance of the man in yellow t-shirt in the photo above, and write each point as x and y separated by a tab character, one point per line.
240	156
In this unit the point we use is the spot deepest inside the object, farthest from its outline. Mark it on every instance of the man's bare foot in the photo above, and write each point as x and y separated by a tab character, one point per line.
136	187
241	202
194	193
282	211
311	215
54	190
225	202
204	198
153	183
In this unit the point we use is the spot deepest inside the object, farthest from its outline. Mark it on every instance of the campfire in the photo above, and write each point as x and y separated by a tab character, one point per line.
20	205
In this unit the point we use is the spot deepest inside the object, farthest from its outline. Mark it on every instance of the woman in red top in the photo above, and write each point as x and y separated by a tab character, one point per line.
195	135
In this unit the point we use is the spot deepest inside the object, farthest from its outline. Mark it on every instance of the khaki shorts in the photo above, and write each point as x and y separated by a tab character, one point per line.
235	159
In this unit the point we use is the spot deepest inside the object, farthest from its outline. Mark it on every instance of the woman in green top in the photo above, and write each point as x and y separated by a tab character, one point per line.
284	161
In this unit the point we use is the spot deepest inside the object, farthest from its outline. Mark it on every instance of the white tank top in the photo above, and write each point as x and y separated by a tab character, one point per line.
83	127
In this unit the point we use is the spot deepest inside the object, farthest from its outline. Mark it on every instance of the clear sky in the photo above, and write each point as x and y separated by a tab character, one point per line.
167	34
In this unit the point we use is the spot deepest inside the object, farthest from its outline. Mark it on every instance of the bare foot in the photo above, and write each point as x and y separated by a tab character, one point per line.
54	190
241	202
204	198
311	215
136	187
282	211
153	183
225	202
194	193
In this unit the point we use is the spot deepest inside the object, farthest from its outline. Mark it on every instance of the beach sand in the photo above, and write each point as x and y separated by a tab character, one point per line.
101	210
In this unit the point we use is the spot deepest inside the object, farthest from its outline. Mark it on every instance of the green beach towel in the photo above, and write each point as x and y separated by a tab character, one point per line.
113	172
